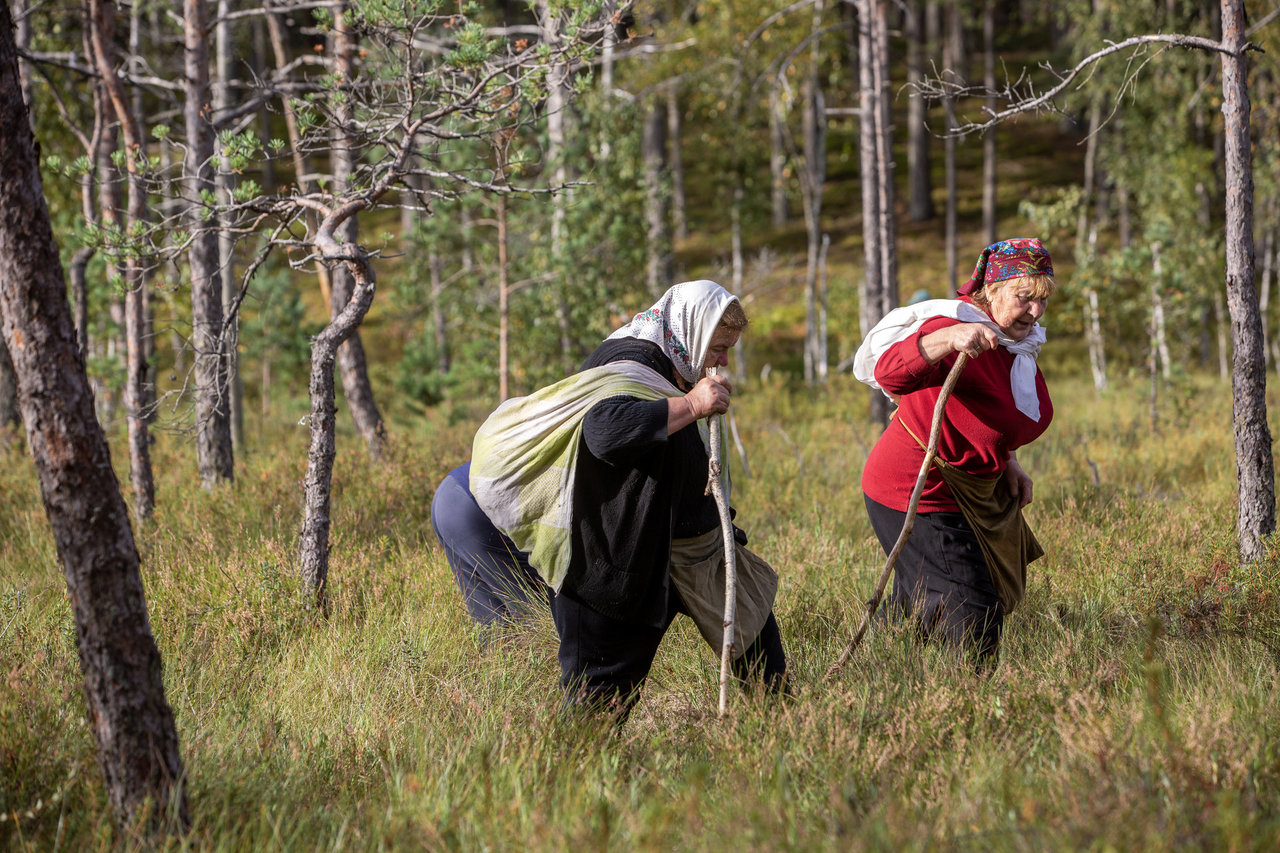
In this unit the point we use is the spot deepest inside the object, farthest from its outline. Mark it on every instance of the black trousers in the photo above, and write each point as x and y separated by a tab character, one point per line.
941	580
604	662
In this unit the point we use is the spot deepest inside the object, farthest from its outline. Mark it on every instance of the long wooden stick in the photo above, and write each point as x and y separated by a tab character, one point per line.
730	555
909	522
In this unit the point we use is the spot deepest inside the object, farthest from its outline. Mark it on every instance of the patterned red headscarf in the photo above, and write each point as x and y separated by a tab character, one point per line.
1008	259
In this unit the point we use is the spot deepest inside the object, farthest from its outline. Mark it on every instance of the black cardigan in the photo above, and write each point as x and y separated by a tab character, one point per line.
636	488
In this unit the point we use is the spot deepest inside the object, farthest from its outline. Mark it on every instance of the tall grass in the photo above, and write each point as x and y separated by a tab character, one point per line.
1133	708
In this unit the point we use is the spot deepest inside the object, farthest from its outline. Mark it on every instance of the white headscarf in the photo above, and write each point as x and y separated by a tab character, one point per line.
682	323
901	323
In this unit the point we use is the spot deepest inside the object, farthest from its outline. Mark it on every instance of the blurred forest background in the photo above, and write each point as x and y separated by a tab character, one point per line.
658	142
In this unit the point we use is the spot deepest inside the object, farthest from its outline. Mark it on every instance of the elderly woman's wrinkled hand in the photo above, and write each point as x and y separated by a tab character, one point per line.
710	396
973	339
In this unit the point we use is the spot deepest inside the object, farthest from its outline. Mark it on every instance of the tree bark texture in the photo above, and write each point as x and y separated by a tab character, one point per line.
658	272
815	173
136	392
559	125
314	540
679	201
233	386
989	138
870	145
1254	466
919	178
213	412
352	364
132	724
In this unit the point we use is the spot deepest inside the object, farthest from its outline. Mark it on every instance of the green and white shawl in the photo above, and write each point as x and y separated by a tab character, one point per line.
525	455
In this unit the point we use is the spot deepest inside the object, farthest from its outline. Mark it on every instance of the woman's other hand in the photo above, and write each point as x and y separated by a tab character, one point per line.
1018	480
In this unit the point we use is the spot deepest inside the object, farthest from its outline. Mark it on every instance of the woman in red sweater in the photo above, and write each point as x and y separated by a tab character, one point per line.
964	566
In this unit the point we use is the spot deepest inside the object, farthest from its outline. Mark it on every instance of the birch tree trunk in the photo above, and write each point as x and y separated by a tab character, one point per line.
1159	338
352	364
1254	467
131	722
1093	333
814	173
777	154
213	418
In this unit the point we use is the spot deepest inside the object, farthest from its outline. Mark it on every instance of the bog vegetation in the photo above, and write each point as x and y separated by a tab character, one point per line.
1134	706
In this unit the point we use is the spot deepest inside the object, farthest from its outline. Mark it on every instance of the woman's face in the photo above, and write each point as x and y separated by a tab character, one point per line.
1015	309
718	351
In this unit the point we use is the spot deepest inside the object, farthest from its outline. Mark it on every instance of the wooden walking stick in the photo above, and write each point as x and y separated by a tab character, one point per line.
909	522
716	429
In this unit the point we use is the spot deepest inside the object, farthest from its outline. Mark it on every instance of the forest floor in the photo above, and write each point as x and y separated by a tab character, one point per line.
1133	707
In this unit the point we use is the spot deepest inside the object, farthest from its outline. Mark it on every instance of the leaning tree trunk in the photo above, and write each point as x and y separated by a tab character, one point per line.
1254	466
314	541
132	724
352	364
213	416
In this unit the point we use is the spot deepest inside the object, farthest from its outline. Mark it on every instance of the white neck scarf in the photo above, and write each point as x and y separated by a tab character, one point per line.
682	323
901	323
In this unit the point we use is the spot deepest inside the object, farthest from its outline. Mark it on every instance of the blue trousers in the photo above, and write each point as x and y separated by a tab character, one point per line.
495	578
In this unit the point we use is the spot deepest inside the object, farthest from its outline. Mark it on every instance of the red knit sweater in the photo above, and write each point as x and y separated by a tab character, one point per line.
980	426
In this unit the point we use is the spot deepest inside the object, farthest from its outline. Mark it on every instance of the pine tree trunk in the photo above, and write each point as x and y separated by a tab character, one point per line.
949	63
213	418
314	540
353	367
1254	465
919	139
559	123
132	724
233	390
870	144
989	140
136	395
679	203
658	272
